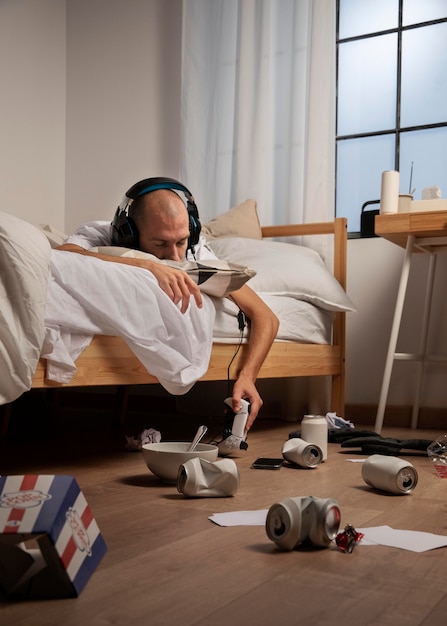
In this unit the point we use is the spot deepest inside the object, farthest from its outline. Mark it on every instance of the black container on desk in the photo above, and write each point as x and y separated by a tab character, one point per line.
367	219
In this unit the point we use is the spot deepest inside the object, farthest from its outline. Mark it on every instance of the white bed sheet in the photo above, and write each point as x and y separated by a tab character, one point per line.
88	297
300	321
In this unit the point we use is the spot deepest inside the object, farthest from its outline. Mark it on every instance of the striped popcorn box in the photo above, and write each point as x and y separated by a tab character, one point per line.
50	543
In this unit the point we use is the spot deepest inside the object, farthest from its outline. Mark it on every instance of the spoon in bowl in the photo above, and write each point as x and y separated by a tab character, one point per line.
198	436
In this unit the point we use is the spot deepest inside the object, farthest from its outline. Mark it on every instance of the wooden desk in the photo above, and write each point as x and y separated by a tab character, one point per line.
397	227
416	232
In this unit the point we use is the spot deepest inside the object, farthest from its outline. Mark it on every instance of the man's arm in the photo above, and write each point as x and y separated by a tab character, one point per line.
263	329
175	283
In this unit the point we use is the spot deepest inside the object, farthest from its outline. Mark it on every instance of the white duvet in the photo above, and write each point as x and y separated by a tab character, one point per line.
88	297
24	263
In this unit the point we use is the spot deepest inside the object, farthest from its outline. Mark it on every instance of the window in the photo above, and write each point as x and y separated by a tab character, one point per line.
391	99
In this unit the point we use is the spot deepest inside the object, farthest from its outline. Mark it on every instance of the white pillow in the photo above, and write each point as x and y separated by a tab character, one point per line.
285	269
55	237
214	277
24	267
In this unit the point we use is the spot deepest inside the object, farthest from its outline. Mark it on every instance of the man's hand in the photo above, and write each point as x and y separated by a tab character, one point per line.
244	388
175	283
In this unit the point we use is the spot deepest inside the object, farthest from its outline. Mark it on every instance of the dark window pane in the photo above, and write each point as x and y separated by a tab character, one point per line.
358	17
360	163
367	85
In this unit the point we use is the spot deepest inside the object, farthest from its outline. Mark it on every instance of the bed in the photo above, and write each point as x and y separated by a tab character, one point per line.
108	360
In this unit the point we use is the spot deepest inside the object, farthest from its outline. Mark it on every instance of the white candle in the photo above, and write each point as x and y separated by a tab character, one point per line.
389	194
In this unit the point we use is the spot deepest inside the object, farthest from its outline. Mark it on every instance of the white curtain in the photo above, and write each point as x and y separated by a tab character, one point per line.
258	106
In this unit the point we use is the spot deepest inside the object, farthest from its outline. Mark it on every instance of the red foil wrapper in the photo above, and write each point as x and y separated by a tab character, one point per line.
347	539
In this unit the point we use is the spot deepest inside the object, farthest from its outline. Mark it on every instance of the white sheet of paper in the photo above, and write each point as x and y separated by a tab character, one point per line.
240	518
413	540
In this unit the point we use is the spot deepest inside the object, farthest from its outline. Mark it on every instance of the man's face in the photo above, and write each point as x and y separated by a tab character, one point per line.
166	236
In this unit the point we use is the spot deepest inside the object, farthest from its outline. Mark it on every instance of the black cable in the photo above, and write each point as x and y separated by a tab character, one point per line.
241	320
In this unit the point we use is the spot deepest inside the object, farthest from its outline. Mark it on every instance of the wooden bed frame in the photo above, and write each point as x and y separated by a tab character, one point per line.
109	361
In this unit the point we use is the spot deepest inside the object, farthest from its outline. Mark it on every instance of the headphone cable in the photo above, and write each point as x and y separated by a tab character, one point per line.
241	319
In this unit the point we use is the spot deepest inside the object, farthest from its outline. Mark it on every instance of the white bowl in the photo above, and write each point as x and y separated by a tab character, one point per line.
164	458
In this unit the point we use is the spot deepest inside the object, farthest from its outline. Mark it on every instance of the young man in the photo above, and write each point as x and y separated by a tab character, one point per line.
163	224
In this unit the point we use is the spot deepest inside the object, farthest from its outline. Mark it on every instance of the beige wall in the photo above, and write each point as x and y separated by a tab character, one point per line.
123	100
374	267
32	109
90	104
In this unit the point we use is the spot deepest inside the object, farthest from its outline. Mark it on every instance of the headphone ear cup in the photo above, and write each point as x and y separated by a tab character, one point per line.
124	231
195	226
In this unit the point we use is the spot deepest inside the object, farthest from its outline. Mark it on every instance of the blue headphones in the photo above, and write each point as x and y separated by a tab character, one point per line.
124	230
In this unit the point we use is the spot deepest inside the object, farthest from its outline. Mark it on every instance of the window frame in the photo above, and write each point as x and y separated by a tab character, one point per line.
398	130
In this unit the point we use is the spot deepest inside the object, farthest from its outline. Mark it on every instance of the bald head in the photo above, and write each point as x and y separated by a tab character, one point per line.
163	224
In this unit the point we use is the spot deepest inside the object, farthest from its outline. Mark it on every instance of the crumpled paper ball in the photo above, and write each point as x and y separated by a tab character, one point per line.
148	435
334	421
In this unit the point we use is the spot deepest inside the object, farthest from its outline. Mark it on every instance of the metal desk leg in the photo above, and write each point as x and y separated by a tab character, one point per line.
394	333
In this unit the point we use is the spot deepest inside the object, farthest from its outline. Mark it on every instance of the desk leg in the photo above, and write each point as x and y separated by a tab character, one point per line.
394	333
424	339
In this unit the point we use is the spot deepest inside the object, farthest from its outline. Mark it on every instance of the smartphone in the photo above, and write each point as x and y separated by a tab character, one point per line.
267	463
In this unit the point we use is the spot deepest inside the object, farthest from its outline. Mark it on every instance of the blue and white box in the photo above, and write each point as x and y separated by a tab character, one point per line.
50	543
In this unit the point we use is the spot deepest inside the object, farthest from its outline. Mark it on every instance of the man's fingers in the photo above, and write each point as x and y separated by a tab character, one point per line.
180	287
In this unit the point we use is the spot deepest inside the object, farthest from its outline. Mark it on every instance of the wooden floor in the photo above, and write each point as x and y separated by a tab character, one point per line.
168	564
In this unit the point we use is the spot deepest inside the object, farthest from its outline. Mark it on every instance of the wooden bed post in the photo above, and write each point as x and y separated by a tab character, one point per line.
339	329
